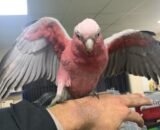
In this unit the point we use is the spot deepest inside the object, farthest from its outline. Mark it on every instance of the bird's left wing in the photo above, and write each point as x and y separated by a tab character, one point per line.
135	52
34	55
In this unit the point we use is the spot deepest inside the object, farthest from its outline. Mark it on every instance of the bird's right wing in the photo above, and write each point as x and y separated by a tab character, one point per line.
34	56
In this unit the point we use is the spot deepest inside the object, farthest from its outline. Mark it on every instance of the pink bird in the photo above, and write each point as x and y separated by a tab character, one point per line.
75	65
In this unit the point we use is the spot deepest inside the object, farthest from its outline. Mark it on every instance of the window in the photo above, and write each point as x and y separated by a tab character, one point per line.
13	7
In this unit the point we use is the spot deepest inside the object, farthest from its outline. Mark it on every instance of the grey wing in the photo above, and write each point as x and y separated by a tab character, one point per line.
21	65
140	58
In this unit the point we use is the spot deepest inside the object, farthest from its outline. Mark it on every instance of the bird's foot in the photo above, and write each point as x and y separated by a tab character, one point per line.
60	98
57	99
94	93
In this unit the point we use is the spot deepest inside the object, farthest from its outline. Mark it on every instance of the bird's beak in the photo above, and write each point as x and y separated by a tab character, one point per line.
89	44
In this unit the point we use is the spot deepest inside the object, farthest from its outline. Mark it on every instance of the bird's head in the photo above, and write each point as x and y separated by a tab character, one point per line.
87	36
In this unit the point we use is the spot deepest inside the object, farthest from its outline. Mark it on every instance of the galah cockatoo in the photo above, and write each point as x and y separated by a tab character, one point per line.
75	65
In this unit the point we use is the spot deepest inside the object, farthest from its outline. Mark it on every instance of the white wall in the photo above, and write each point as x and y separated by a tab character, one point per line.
138	84
158	36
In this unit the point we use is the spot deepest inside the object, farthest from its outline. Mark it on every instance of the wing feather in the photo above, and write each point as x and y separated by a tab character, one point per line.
33	57
141	52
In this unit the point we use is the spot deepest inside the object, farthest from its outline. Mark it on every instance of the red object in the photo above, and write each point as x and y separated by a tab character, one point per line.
150	113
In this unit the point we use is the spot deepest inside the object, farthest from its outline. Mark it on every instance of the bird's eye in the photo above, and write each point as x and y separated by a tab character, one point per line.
78	36
97	35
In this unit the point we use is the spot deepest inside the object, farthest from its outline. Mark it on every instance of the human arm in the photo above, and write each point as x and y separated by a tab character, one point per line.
107	112
88	113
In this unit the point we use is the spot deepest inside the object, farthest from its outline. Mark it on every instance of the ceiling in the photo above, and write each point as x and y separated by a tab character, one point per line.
112	15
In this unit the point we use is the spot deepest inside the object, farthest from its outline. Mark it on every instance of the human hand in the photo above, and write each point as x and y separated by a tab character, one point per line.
106	113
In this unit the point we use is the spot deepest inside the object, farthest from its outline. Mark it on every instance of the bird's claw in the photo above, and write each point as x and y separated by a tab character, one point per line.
94	93
57	99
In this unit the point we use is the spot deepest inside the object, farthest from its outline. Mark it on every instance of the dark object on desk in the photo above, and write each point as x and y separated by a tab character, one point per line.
34	91
119	82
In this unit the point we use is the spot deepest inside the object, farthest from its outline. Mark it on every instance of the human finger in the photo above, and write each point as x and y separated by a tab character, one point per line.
135	117
134	100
